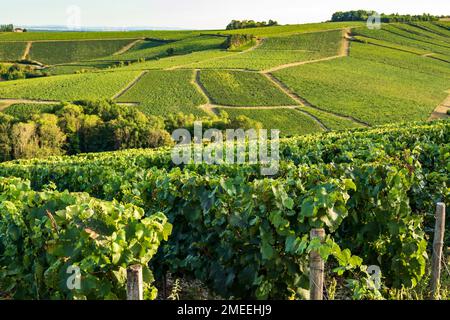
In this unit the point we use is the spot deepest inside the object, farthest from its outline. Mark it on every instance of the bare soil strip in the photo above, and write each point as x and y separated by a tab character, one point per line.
345	48
128	104
199	86
130	85
209	109
441	111
27	50
8	102
258	44
3	106
127	47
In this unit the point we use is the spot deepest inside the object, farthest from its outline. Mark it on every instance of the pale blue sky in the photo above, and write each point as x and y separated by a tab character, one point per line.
198	14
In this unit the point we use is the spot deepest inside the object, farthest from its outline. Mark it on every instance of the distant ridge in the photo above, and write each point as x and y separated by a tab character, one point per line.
100	28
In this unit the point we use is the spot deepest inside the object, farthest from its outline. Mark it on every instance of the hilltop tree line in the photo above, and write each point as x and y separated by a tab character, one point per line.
6	28
244	24
363	15
96	126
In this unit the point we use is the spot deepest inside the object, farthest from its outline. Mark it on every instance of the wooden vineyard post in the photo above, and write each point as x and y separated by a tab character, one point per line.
316	269
438	243
135	288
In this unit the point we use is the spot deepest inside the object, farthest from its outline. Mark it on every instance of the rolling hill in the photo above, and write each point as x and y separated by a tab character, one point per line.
94	184
339	71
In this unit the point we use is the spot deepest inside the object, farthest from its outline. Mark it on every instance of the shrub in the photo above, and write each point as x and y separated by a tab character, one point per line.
44	239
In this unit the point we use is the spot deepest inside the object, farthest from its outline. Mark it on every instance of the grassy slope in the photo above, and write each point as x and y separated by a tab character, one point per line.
182	61
147	44
192	50
435	45
355	86
395	35
165	92
235	88
288	121
189	51
401	59
372	91
331	121
72	51
68	87
391	45
423	33
277	51
327	43
179	47
432	27
11	51
191	42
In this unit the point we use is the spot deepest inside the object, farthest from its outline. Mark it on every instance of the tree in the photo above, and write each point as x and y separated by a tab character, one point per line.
363	15
236	24
25	140
5	140
243	122
170	51
51	137
6	28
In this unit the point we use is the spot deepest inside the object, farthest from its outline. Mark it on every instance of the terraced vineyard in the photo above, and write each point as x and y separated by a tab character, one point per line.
11	51
347	91
185	46
236	88
278	51
68	87
59	52
289	121
344	86
165	92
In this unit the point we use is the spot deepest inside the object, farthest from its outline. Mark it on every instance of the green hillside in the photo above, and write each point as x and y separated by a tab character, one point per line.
89	178
337	70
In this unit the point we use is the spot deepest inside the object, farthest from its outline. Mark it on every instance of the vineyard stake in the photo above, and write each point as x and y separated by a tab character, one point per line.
438	243
135	289
316	268
164	285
